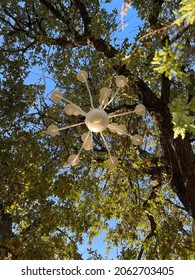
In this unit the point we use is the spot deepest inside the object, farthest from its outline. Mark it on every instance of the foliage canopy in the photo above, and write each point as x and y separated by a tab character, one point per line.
46	206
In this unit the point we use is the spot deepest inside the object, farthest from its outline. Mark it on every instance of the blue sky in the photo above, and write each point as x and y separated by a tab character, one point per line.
131	22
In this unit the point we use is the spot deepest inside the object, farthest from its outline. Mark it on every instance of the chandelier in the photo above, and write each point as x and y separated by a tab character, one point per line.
97	120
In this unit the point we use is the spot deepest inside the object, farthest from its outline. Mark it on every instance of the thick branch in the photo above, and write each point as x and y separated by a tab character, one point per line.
156	9
153	225
179	34
53	10
84	15
180	161
165	89
66	20
149	236
4	251
23	50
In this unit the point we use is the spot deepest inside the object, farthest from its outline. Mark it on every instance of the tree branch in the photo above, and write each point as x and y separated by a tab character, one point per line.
4	250
156	9
179	34
53	10
165	89
84	15
149	236
58	15
23	50
153	225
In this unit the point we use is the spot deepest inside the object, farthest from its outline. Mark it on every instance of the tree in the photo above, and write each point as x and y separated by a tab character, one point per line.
151	195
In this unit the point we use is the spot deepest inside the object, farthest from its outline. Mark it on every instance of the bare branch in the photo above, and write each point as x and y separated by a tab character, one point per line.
23	50
179	34
149	236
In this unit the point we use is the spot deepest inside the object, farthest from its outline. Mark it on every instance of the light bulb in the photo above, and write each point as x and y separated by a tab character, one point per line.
76	112
121	81
137	139
113	127
53	130
97	120
112	162
105	91
73	159
69	109
82	76
140	109
56	96
88	145
84	136
121	129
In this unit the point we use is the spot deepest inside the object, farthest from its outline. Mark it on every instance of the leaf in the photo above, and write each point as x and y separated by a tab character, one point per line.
179	131
186	13
191	105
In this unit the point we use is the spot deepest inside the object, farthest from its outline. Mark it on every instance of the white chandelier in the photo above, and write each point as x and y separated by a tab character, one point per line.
96	120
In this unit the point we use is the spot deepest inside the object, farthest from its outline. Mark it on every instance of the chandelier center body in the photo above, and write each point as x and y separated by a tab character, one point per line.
97	120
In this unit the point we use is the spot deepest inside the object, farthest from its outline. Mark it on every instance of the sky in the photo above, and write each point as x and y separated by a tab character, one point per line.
130	30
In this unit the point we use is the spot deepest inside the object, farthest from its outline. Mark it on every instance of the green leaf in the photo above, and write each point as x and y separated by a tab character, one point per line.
179	131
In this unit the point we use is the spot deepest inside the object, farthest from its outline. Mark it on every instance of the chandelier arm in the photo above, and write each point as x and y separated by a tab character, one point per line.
120	130
121	114
112	98
106	145
113	127
74	105
89	91
91	134
133	138
127	134
101	105
79	152
73	125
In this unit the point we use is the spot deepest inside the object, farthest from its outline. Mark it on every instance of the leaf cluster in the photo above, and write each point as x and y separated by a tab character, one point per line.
52	206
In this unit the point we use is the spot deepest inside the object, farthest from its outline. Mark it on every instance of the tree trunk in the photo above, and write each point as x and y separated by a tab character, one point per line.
180	161
178	153
5	232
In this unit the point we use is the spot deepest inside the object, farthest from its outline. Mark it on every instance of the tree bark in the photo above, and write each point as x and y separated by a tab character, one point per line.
180	161
5	232
178	153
